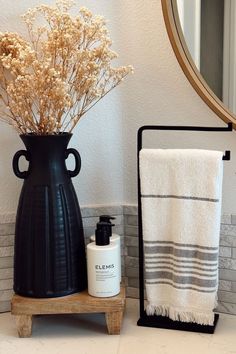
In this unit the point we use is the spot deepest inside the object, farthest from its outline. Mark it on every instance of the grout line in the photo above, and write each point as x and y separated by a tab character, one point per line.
227	302
6	267
228	291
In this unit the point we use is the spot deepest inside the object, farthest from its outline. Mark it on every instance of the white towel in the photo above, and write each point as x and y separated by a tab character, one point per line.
181	208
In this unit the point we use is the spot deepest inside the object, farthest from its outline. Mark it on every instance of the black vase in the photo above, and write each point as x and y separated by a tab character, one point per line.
49	258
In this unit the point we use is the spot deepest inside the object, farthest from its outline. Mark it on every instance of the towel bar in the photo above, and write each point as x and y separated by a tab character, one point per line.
160	321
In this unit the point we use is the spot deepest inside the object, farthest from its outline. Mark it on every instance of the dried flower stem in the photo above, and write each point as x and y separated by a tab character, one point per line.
50	82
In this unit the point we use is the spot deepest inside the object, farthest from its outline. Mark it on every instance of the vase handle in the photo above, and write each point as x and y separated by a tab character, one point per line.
15	164
77	162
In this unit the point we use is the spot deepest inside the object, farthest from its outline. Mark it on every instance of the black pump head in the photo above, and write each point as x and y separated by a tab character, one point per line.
102	233
107	219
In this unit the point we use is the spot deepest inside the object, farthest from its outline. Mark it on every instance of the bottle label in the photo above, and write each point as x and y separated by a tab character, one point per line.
105	272
104	266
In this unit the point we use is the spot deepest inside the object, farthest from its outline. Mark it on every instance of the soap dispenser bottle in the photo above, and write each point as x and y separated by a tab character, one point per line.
103	264
113	237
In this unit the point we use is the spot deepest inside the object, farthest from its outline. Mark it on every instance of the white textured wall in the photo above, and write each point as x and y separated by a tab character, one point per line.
158	93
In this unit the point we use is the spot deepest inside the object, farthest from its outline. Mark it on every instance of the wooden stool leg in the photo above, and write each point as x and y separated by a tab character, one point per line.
24	325
114	320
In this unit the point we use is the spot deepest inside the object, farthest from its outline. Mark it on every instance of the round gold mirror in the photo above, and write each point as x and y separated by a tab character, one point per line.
172	19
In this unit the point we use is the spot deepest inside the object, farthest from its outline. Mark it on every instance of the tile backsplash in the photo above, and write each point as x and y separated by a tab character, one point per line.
127	227
6	264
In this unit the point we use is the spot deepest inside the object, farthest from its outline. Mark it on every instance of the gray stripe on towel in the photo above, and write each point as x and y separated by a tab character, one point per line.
159	264
205	283
175	271
153	259
179	197
181	252
180	287
181	244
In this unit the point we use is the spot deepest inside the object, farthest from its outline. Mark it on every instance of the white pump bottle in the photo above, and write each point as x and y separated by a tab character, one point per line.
103	264
114	238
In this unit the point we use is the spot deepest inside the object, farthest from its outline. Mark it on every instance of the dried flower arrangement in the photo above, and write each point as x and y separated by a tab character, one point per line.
49	82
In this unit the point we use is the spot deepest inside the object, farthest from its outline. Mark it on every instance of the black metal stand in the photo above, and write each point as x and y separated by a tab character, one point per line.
167	323
161	321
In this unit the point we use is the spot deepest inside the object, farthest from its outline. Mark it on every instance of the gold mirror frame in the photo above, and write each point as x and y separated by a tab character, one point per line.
170	12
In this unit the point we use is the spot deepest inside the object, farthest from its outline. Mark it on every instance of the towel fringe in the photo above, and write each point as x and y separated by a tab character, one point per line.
180	315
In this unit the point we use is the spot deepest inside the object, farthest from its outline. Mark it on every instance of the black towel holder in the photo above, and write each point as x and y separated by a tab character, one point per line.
161	321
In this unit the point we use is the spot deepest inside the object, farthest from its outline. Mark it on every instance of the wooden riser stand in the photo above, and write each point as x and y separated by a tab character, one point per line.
24	308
